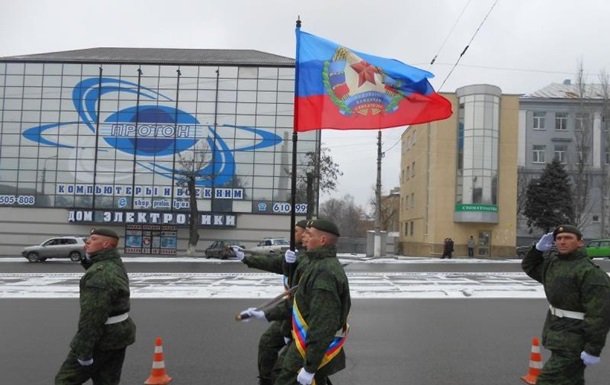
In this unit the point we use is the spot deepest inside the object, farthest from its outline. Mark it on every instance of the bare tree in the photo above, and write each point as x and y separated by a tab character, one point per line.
190	165
605	182
349	217
318	173
581	173
523	180
389	211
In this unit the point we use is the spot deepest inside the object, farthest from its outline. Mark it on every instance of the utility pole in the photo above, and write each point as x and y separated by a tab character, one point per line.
377	241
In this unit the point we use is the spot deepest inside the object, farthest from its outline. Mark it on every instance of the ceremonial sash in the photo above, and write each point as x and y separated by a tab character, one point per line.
299	334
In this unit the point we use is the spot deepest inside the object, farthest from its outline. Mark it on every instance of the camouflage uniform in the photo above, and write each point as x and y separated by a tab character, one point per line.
324	302
273	339
104	293
571	282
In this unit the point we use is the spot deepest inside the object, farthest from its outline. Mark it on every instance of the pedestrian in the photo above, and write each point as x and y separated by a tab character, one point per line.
447	248
278	334
578	292
451	250
320	308
471	247
105	329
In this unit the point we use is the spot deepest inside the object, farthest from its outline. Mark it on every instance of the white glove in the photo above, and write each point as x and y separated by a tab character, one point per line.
89	362
588	359
238	253
545	243
254	313
290	256
304	377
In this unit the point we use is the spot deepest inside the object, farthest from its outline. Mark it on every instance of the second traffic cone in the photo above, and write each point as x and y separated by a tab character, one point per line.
535	364
158	375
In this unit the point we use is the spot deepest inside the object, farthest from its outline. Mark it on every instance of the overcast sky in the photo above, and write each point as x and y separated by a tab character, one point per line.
522	46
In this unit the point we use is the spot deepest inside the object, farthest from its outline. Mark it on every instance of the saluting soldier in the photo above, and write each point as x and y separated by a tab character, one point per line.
578	292
279	331
105	328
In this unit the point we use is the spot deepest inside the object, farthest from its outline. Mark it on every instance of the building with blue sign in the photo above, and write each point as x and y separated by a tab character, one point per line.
108	136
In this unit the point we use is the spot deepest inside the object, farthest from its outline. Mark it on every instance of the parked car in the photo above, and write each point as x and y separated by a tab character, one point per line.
221	249
521	251
271	246
59	247
598	248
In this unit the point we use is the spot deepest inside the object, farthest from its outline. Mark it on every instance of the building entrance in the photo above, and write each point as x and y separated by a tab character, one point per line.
484	247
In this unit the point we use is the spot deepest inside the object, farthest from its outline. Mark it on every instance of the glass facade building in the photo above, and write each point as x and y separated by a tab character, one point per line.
127	134
478	151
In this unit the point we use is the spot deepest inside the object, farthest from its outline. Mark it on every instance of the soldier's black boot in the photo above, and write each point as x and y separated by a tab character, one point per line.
264	381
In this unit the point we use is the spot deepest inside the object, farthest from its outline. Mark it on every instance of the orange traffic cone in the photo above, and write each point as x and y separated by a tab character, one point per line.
158	376
535	363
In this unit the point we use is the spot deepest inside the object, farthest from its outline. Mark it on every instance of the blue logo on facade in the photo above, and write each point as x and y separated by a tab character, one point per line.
152	132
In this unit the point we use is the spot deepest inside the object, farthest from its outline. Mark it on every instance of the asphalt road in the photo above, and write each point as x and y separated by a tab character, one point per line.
468	341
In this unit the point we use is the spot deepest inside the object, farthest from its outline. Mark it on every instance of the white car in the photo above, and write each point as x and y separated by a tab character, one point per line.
271	246
58	247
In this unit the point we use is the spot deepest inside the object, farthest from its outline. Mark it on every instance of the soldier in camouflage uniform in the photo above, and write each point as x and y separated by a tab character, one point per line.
105	329
279	331
578	292
320	309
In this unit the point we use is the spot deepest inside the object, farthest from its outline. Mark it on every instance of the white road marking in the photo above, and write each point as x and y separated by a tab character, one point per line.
267	285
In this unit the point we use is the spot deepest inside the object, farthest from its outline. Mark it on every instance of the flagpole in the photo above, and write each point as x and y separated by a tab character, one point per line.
293	182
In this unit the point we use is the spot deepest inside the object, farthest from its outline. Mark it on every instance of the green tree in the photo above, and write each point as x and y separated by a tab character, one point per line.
549	199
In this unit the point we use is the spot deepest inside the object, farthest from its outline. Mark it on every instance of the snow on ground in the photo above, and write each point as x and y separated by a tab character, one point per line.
352	258
266	285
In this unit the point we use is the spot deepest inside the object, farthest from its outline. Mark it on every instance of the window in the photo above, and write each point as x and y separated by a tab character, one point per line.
412	169
607	158
561	153
539	120
412	226
595	218
538	154
412	200
408	172
561	121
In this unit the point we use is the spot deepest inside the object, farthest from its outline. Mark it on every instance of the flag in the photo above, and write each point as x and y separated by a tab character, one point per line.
338	88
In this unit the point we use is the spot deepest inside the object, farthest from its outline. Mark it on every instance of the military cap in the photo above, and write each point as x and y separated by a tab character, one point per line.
302	223
105	232
326	226
567	229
